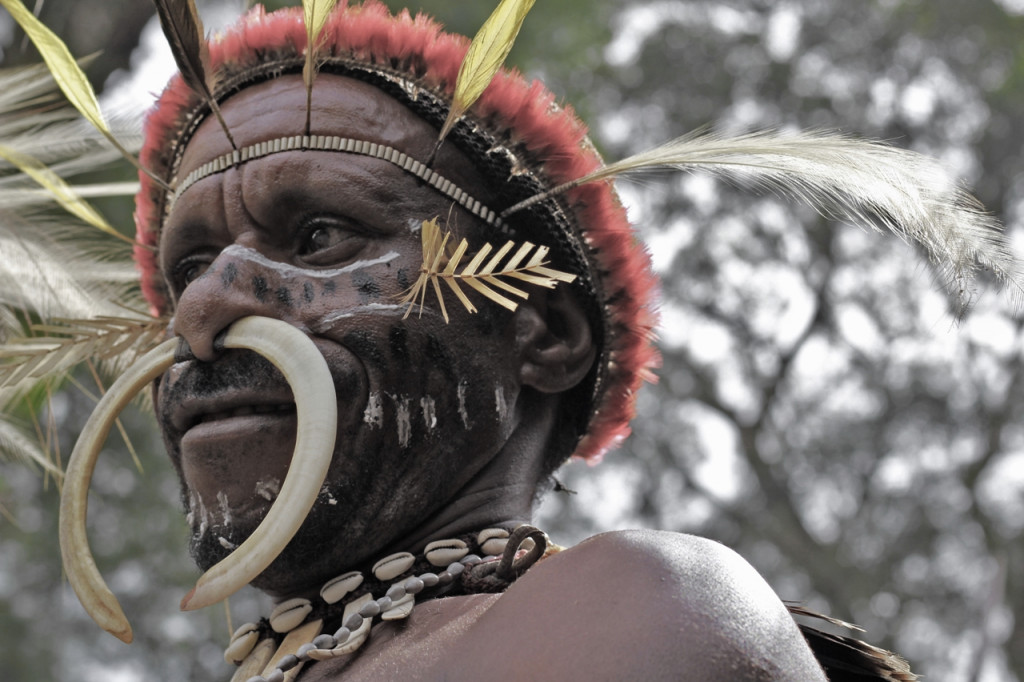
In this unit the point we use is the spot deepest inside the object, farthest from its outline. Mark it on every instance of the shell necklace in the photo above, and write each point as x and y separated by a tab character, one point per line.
300	630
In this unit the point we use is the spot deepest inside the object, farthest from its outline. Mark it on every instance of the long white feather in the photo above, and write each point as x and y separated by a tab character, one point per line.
53	266
864	181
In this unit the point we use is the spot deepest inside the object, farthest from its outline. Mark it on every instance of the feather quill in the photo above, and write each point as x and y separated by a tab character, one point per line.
68	75
183	29
863	181
314	13
485	56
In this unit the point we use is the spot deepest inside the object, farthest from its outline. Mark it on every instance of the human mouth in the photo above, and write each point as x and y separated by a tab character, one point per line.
234	418
245	411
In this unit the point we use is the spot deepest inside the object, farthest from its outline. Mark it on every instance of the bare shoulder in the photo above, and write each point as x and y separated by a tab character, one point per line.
642	605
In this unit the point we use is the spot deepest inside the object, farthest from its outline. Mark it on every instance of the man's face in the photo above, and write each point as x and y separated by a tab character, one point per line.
328	242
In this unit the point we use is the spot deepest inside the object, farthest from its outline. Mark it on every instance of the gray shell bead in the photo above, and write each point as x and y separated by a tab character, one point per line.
400	609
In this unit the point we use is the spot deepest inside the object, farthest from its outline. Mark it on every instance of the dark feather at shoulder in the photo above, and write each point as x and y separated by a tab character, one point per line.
847	659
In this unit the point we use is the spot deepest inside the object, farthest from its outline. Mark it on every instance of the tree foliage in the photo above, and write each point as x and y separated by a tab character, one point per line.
820	410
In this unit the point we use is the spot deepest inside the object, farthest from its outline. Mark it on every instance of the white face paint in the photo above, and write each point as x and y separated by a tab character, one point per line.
374	412
429	416
402	417
499	401
197	508
268	489
326	495
329	321
286	270
224	507
463	413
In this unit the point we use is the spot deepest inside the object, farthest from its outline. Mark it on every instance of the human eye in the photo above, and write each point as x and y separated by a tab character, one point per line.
189	269
326	240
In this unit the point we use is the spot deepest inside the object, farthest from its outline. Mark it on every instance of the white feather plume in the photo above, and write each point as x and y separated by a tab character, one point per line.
867	182
53	266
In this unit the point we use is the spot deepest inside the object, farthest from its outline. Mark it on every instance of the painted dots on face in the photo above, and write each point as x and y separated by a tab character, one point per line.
259	288
367	287
227	276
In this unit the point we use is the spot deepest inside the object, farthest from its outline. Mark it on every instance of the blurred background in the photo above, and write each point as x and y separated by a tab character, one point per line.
820	408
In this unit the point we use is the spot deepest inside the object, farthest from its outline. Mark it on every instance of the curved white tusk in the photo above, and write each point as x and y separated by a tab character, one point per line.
79	565
305	369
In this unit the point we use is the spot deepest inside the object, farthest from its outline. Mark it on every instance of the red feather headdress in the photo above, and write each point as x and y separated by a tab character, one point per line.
548	139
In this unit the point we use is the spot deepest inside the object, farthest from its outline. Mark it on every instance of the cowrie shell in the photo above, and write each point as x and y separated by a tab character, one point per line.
443	552
242	643
334	590
394	565
492	541
289	614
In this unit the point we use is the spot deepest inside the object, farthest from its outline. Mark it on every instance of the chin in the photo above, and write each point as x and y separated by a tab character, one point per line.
327	544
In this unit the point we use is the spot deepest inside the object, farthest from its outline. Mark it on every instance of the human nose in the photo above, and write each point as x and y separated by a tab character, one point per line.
234	286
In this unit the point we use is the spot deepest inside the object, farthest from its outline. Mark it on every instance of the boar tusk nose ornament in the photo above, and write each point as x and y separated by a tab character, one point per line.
305	369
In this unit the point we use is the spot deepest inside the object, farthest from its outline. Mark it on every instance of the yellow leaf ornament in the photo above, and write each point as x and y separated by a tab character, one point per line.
314	14
486	54
66	72
60	190
440	263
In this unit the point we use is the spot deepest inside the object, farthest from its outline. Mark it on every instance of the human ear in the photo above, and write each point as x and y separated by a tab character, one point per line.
554	340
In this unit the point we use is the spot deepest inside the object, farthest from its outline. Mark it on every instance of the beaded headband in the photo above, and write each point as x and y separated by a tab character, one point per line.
334	143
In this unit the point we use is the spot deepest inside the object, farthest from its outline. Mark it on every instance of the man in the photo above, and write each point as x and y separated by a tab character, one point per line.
446	427
317	208
627	605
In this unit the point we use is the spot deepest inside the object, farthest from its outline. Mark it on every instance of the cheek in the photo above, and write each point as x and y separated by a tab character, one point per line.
435	387
367	287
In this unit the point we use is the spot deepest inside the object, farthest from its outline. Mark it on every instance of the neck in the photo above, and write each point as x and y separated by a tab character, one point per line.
501	494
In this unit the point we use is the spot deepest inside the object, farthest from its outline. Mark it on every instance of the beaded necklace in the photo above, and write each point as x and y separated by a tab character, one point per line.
298	630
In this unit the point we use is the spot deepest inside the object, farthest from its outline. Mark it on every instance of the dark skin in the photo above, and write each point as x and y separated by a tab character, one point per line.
442	427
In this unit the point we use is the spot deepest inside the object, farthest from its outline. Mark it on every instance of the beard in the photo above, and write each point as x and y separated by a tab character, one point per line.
308	557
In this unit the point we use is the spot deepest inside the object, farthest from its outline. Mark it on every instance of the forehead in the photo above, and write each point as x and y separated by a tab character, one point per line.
340	106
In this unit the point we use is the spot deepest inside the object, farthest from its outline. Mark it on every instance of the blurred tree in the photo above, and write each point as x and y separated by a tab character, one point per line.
819	410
